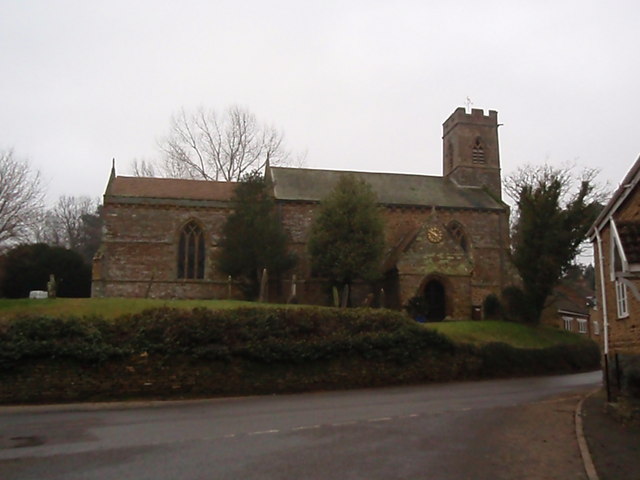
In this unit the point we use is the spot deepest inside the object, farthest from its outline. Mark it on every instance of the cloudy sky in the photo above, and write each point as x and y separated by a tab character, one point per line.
358	85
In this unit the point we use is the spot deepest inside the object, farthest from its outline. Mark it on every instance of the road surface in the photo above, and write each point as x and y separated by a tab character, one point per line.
472	430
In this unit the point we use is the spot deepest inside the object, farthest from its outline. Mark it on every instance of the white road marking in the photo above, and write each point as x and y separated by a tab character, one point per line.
381	419
264	432
306	427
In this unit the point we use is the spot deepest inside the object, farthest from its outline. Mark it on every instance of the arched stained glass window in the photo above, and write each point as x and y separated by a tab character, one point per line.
191	252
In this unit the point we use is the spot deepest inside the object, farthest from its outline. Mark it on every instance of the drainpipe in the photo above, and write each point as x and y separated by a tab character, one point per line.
605	316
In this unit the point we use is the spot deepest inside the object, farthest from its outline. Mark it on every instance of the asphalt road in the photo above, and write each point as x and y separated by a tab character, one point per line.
442	431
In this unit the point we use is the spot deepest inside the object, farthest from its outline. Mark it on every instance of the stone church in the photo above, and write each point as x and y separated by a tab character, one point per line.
447	237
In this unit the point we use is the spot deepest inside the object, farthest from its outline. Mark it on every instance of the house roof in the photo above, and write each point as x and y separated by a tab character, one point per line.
626	187
629	233
169	188
572	297
303	184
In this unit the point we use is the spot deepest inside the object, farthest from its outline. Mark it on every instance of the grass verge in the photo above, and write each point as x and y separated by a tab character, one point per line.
514	334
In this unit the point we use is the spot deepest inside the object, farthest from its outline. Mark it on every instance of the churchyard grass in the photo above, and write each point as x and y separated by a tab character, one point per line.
105	307
514	334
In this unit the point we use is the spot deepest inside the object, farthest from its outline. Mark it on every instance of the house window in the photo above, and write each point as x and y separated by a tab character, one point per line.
596	327
477	153
582	325
568	323
621	299
191	252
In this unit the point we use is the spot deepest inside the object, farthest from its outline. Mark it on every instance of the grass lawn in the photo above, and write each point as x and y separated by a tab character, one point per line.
106	307
515	334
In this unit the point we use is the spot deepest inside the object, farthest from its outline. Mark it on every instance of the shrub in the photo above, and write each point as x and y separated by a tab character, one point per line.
499	359
514	304
27	267
83	340
630	367
257	334
417	307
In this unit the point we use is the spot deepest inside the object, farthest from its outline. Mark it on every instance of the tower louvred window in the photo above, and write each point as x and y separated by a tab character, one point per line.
477	154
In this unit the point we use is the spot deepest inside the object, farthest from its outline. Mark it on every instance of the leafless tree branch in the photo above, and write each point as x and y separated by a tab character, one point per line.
21	198
207	146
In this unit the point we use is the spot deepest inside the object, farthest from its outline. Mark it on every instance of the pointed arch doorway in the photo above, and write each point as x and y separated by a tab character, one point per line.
434	294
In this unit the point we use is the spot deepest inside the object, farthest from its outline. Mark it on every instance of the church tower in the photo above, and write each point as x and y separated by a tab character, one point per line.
471	156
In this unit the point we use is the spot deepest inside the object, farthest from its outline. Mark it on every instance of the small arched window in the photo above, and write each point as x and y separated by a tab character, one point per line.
457	232
477	153
191	252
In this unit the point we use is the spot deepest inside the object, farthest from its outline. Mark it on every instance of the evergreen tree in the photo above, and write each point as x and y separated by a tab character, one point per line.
347	237
27	267
552	221
252	236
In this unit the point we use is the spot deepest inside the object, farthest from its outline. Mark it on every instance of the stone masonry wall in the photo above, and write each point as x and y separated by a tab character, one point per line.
487	236
138	256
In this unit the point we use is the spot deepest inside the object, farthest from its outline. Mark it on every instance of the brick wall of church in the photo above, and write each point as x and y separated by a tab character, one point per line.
138	256
487	233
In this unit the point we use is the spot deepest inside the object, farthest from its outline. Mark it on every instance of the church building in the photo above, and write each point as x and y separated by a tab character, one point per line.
446	237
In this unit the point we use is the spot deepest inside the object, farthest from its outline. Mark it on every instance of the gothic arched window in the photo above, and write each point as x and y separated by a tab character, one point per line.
191	252
477	153
457	232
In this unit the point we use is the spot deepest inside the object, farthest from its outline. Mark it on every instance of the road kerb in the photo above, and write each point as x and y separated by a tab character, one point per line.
587	461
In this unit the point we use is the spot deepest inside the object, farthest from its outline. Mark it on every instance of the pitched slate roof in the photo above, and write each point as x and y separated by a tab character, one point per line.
303	184
169	188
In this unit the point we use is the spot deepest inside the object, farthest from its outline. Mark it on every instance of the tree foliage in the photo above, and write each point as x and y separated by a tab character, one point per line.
347	236
252	236
206	145
554	212
27	267
21	198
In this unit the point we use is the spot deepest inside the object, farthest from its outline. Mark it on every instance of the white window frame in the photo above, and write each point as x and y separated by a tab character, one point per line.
621	299
568	323
596	327
582	325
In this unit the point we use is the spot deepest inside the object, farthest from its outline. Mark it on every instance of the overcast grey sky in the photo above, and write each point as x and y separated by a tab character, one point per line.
359	85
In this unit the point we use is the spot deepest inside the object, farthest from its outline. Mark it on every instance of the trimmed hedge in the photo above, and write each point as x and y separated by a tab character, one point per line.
174	352
257	334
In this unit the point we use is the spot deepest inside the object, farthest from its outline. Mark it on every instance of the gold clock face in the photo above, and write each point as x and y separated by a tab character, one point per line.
435	234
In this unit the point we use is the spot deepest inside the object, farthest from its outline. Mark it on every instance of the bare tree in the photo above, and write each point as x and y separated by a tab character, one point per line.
74	223
70	212
21	198
207	146
143	168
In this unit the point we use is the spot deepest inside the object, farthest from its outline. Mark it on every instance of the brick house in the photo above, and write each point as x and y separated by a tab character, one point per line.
616	239
569	308
447	236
